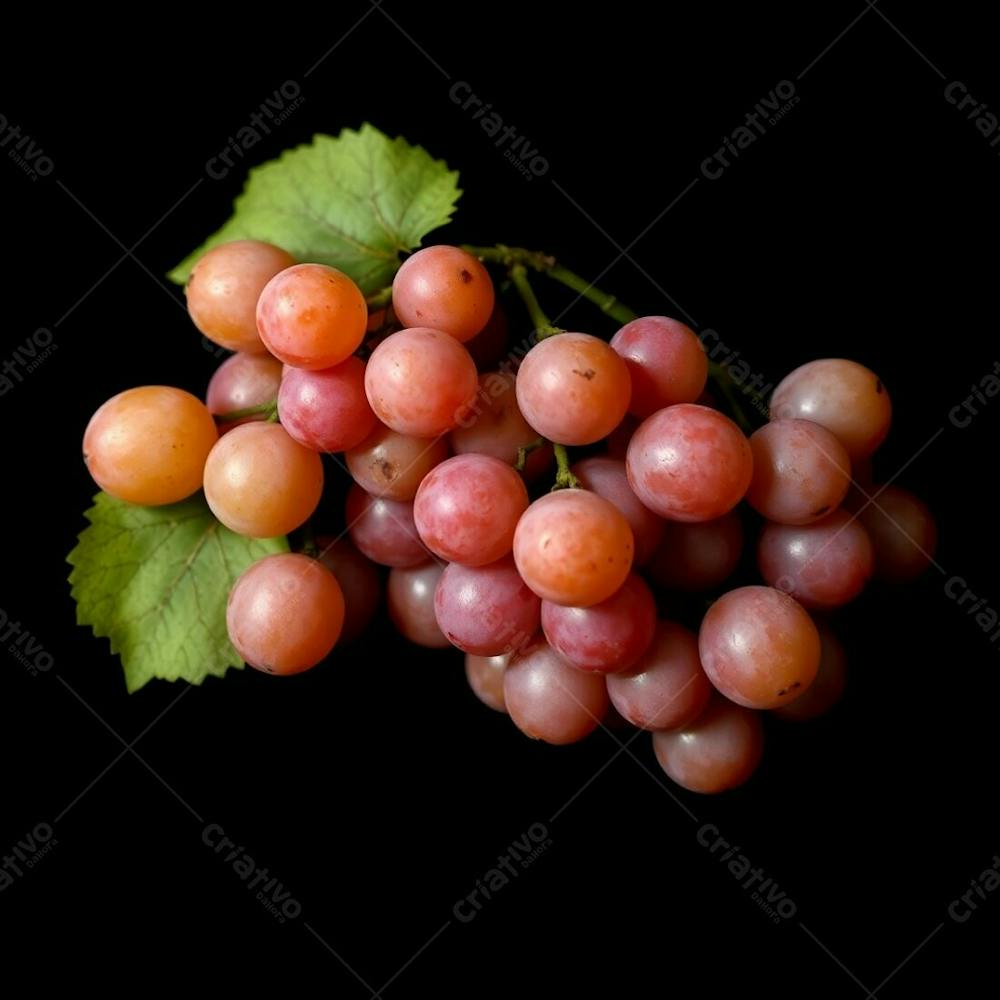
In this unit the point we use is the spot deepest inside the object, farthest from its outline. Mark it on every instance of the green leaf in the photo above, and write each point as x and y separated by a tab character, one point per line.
155	581
355	202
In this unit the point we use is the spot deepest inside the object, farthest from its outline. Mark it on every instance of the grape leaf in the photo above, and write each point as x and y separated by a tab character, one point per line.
155	581
355	202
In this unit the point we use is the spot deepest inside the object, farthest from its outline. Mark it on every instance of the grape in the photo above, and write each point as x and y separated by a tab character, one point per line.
573	547
822	565
800	472
665	360
485	677
759	647
694	557
489	345
260	482
716	752
420	382
605	637
392	465
467	508
384	530
242	381
486	610
843	396
619	438
312	316
410	597
666	687
573	388
827	689
444	288
149	445
359	582
689	463
285	613
494	425
223	290
607	478
902	532
326	410
550	700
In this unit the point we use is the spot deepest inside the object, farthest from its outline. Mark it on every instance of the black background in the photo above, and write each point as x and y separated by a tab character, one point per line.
376	788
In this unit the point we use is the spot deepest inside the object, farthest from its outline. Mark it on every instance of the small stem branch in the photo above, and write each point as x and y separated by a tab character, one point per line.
525	450
541	322
380	298
309	546
564	478
267	410
608	304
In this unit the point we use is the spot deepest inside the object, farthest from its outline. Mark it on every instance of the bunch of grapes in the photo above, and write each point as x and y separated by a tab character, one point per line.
453	449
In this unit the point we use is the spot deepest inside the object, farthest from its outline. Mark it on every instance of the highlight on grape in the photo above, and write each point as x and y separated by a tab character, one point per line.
544	511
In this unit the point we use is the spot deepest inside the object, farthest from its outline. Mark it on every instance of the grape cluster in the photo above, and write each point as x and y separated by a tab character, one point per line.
547	590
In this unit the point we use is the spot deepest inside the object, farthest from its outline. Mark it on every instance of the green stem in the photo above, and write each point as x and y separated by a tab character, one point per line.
525	450
309	546
380	298
727	387
542	323
267	410
564	478
608	304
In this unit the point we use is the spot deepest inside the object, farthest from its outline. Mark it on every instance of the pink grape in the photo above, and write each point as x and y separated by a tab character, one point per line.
420	382
359	582
573	547
486	610
607	478
410	598
573	388
902	531
720	750
666	687
844	397
828	687
666	361
312	316
240	382
485	677
605	637
467	508
383	529
549	700
689	463
695	557
759	647
801	472
392	465
271	594
446	289
326	410
822	565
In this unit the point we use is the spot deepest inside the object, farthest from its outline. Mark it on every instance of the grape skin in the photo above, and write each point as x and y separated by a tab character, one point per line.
759	647
573	388
240	382
844	397
467	508
444	288
410	598
573	547
383	530
260	482
666	362
274	591
149	445
605	637
326	410
485	677
689	463
716	752
828	687
698	556
420	381
902	531
486	610
822	565
666	687
392	465
549	700
312	316
801	472
224	287
359	582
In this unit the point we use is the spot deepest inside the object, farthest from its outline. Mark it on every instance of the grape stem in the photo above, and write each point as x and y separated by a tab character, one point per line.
542	323
268	410
564	478
525	450
309	546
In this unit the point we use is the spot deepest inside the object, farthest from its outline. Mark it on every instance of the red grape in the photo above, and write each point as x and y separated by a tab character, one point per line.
410	598
384	530
359	582
485	677
694	557
392	465
902	531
